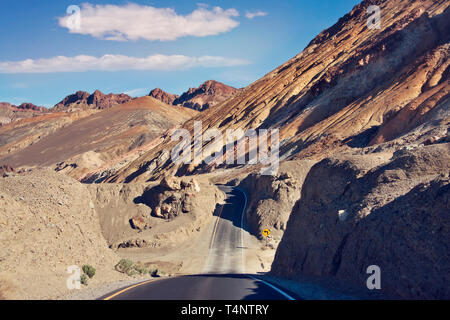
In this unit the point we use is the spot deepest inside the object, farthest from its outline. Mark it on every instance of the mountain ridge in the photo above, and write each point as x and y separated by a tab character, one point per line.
347	84
207	95
96	100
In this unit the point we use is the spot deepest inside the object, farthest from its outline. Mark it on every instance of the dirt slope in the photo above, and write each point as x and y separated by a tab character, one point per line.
47	223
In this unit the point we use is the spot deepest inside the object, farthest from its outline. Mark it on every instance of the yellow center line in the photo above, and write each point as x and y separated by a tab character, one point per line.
127	289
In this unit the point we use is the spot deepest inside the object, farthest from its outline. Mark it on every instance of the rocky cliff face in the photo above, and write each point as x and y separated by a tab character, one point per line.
271	198
359	211
96	100
207	95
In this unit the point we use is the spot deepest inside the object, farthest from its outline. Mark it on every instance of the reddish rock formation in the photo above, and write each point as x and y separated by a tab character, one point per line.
163	96
103	101
97	100
30	106
207	95
73	98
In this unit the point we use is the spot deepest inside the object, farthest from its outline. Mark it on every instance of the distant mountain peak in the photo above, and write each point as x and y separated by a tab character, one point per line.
163	96
208	94
11	113
96	100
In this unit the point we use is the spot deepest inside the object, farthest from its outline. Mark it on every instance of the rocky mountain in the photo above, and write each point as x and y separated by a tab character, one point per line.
96	100
163	96
10	113
207	95
351	87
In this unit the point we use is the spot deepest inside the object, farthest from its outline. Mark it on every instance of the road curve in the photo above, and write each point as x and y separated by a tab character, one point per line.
223	276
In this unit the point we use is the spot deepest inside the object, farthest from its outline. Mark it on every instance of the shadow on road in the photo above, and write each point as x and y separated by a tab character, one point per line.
234	204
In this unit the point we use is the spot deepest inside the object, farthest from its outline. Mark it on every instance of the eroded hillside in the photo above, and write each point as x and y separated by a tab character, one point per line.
348	89
79	142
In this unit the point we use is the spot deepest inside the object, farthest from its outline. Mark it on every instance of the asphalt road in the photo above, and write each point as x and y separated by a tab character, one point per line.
223	276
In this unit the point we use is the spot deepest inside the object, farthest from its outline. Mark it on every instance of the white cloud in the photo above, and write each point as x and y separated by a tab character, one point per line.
133	22
111	62
251	15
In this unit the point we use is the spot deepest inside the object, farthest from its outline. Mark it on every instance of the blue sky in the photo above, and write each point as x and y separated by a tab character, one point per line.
242	49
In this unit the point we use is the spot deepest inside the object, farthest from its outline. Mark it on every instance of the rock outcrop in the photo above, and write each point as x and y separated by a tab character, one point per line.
163	96
359	211
96	100
11	113
5	170
271	198
207	95
172	197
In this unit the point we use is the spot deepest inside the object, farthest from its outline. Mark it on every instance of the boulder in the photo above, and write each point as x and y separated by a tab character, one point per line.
171	183
157	212
195	185
166	208
192	185
139	223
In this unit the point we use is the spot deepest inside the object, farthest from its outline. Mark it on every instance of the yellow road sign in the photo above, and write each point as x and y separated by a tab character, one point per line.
266	232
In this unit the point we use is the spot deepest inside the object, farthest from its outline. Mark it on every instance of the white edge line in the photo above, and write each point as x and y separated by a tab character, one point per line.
273	287
242	244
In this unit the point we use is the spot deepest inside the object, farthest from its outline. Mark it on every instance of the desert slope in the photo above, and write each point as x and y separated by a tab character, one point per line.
348	89
100	137
47	224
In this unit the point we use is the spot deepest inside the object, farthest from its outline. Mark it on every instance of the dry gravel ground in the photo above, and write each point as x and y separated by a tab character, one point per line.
49	221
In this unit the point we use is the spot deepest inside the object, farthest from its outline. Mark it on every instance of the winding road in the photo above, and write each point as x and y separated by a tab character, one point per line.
223	276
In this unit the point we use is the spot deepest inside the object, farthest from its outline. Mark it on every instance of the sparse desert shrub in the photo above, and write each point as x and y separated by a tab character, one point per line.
84	279
131	272
89	270
142	270
124	266
131	269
